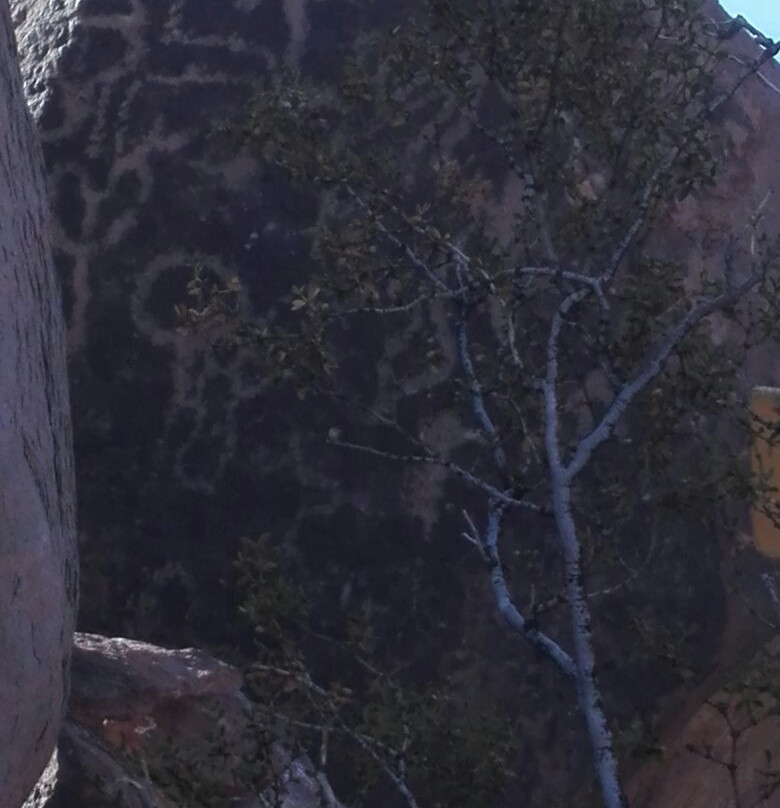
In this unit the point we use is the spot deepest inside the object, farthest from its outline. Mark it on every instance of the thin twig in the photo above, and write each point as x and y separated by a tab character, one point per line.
477	482
771	588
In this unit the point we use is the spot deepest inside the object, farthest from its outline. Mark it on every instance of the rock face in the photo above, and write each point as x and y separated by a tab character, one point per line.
38	570
181	451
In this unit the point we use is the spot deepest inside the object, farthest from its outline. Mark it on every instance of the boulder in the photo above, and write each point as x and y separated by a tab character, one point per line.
130	701
119	679
84	771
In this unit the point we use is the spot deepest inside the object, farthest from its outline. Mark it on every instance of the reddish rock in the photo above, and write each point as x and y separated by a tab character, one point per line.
694	773
130	699
119	679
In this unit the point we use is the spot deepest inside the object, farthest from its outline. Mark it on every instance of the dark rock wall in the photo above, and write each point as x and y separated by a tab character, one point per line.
179	451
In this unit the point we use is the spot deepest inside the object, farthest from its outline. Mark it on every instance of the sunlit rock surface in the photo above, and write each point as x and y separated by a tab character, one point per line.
38	565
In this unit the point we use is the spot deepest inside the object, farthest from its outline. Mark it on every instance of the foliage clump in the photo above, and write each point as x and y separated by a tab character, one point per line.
371	727
363	731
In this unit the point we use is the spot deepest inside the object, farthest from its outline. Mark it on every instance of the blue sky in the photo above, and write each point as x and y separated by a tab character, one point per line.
764	14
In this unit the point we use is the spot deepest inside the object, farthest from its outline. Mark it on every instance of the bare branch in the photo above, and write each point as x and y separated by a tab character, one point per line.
403	308
475	389
771	49
728	29
376	415
368	745
561	598
472	536
771	588
551	379
651	367
396	778
753	610
326	790
506	606
760	76
595	284
644	205
588	695
459	471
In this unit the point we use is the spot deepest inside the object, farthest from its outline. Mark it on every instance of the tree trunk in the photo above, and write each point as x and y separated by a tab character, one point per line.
38	564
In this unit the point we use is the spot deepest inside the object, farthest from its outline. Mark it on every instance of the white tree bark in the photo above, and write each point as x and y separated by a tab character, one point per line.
38	564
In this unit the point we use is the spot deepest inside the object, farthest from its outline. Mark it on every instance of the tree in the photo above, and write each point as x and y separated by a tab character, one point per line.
576	343
38	566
